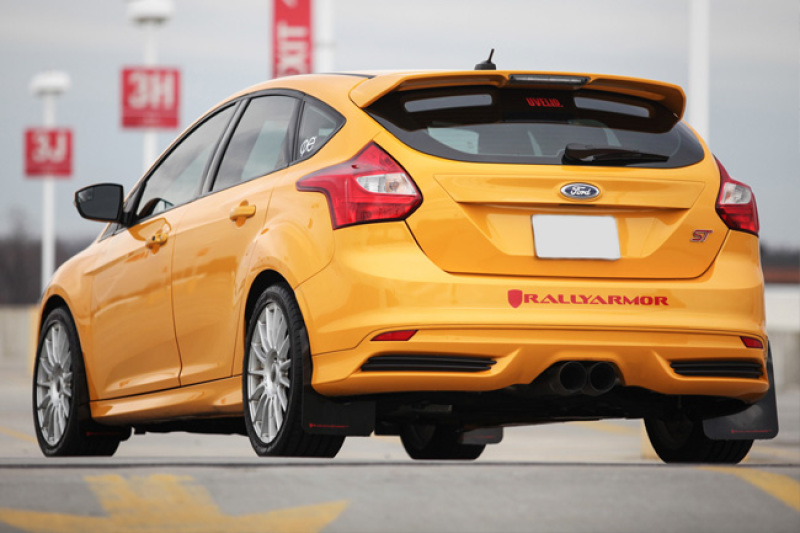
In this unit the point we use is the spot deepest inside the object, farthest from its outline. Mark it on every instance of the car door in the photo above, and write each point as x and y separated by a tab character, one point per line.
132	345
216	235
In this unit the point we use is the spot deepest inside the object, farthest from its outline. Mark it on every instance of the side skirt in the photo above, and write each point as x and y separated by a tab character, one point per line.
218	398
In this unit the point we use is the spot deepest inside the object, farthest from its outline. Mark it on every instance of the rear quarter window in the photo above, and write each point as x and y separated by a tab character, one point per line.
527	126
318	124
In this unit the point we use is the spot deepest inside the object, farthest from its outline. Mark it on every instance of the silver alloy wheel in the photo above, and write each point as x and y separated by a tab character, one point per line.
54	384
268	368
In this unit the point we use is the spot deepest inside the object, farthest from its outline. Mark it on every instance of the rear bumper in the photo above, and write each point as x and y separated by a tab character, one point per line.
380	281
643	359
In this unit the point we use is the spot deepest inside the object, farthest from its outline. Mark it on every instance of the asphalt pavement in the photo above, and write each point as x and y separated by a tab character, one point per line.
589	476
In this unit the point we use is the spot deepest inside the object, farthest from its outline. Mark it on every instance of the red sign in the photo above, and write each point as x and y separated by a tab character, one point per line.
292	46
48	152
150	97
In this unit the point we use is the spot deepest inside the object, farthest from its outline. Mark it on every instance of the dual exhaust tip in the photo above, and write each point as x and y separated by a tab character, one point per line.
577	377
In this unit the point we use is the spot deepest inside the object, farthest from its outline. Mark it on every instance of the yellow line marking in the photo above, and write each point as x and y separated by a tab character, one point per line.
18	435
165	503
778	486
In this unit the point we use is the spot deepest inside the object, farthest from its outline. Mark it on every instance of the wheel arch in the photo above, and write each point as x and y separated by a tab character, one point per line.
57	301
53	302
262	280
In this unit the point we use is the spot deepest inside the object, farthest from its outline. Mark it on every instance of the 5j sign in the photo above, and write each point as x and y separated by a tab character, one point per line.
48	152
150	97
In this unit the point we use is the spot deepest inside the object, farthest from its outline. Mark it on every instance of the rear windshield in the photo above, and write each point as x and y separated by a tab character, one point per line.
491	125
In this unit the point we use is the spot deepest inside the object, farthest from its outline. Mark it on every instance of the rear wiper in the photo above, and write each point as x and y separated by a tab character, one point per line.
599	155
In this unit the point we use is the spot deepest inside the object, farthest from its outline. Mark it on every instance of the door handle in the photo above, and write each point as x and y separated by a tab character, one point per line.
241	212
157	240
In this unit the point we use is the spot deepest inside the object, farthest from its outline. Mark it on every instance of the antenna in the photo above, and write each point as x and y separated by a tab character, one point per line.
487	65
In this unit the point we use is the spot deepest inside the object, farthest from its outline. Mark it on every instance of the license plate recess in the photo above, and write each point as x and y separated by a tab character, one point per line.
575	237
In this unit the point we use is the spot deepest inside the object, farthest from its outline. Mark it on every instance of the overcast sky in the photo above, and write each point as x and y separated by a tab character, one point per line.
224	46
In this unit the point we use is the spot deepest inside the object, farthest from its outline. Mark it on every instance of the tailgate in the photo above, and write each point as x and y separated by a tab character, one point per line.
551	175
484	223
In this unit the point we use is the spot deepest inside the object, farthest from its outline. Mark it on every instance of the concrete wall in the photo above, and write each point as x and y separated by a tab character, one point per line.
18	332
17	335
783	326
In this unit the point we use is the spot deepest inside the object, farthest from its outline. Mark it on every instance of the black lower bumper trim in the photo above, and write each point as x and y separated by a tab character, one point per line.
719	369
426	363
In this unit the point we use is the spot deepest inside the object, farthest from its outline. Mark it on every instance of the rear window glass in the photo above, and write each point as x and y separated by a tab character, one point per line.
531	126
609	106
448	102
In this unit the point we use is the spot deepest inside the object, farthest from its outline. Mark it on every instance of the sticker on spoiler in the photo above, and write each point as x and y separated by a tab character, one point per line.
517	297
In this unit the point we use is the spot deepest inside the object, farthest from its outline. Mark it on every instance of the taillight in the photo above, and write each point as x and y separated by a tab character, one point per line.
736	204
371	187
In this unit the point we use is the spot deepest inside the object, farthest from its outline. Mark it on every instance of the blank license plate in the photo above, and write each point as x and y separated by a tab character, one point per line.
575	237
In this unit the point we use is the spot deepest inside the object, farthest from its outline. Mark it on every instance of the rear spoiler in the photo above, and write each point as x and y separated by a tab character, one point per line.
668	95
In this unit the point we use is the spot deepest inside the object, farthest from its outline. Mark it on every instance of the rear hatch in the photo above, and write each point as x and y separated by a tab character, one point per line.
531	174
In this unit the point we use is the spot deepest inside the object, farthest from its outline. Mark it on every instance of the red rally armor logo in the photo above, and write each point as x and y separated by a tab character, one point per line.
516	298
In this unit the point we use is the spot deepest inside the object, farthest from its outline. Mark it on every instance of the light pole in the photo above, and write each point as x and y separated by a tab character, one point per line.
150	15
699	64
324	39
47	85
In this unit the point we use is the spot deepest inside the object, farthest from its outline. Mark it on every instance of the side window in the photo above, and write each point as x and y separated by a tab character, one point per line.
179	177
259	143
317	125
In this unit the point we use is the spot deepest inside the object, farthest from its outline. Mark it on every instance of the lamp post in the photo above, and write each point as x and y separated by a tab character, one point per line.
150	15
47	85
699	63
324	39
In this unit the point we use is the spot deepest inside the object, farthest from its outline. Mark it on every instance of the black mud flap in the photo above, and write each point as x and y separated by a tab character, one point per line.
482	436
324	416
759	421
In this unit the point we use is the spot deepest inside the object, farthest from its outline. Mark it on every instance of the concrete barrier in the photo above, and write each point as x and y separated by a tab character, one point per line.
783	326
18	326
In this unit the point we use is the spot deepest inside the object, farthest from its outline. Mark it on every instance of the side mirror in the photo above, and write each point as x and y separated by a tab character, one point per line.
101	202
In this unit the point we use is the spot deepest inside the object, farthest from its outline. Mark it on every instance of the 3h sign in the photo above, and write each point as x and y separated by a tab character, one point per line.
150	97
48	152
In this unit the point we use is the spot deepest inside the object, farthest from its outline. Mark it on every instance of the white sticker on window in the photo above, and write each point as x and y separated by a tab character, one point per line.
308	145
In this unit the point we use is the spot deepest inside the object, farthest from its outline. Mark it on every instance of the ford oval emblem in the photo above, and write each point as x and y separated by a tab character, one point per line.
580	191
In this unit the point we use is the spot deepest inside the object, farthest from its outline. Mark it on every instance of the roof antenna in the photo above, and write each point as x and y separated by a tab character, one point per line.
487	65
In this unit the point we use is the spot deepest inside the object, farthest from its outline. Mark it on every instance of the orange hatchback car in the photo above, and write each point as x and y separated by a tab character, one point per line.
434	255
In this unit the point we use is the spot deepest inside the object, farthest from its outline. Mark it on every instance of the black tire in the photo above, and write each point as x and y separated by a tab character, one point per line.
423	441
681	440
61	414
274	381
